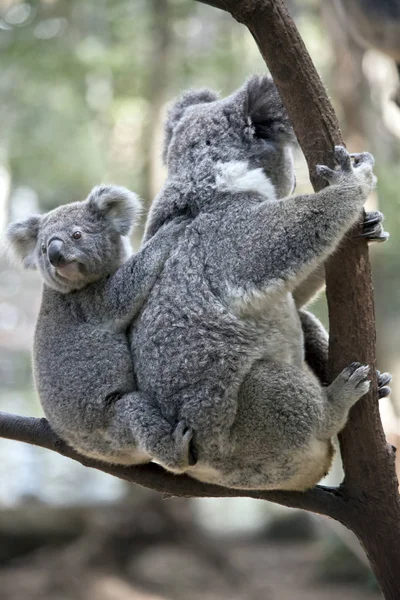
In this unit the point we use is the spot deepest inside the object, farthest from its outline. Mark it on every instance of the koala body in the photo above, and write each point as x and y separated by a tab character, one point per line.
92	290
221	342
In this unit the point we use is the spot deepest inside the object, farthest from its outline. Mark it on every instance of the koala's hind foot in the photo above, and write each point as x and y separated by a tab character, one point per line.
185	450
348	387
138	421
372	227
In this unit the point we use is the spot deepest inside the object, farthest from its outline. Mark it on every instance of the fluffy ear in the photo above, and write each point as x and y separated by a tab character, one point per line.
189	98
264	107
116	204
21	239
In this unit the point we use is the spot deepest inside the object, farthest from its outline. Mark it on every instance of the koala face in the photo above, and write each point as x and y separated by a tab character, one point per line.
251	125
77	243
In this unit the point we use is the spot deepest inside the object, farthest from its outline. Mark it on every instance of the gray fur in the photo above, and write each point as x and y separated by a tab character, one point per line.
82	362
219	343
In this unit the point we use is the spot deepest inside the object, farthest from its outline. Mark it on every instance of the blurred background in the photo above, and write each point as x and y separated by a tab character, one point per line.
83	92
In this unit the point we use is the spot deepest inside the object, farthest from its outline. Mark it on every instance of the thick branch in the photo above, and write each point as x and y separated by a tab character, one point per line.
321	500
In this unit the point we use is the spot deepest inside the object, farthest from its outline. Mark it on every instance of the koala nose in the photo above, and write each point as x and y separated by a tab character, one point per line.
55	254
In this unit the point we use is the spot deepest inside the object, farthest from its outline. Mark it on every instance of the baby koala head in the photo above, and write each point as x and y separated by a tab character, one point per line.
78	243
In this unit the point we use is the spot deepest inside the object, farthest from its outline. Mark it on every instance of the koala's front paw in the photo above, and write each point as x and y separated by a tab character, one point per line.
383	380
360	174
372	227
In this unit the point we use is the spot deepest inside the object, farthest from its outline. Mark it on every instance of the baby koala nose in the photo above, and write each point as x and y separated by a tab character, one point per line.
55	254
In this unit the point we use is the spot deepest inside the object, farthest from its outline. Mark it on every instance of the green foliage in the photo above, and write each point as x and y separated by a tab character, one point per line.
82	83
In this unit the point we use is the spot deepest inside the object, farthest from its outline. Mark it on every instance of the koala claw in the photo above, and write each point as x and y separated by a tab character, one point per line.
362	158
343	158
372	227
357	377
383	380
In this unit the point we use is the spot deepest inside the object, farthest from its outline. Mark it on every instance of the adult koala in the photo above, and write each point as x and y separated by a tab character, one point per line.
220	343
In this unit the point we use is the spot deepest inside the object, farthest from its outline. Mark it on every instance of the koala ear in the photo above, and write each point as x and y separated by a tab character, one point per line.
189	98
116	204
21	239
264	108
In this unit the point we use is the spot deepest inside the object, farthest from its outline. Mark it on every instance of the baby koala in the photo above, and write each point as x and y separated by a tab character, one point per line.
82	363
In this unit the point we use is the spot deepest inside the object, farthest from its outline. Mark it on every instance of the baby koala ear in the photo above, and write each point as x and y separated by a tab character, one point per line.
263	106
175	114
116	204
21	238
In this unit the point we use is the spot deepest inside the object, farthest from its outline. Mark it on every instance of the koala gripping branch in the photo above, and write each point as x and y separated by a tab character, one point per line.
37	431
370	487
367	502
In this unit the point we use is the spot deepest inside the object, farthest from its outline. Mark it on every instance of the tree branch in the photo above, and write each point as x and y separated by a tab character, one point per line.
35	431
216	4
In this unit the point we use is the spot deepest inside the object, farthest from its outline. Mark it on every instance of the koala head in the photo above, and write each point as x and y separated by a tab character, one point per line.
78	243
212	143
203	131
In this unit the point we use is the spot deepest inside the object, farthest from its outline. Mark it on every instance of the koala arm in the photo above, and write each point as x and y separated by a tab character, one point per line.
316	343
127	289
373	232
286	240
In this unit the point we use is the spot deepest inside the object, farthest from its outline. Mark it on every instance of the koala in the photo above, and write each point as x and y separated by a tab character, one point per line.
222	342
92	291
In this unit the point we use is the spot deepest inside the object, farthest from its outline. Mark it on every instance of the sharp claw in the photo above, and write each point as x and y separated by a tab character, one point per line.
342	157
384	392
374	218
374	235
384	379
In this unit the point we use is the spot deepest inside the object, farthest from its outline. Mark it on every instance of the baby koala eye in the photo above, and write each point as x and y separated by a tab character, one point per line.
77	235
208	143
43	248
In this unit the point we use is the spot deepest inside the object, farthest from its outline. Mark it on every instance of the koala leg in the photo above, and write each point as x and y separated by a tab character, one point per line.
137	417
281	437
316	344
348	387
275	441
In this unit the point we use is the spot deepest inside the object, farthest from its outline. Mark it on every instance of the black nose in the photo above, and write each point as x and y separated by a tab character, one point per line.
55	254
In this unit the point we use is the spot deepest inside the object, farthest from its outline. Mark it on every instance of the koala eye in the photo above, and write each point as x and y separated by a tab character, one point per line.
208	143
77	235
43	248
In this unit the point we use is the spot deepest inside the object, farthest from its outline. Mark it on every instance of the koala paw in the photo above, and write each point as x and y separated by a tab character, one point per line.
372	227
383	380
186	454
350	385
359	174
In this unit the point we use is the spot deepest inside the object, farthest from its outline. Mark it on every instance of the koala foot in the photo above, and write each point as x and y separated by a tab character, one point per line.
383	380
360	171
350	385
372	227
186	454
